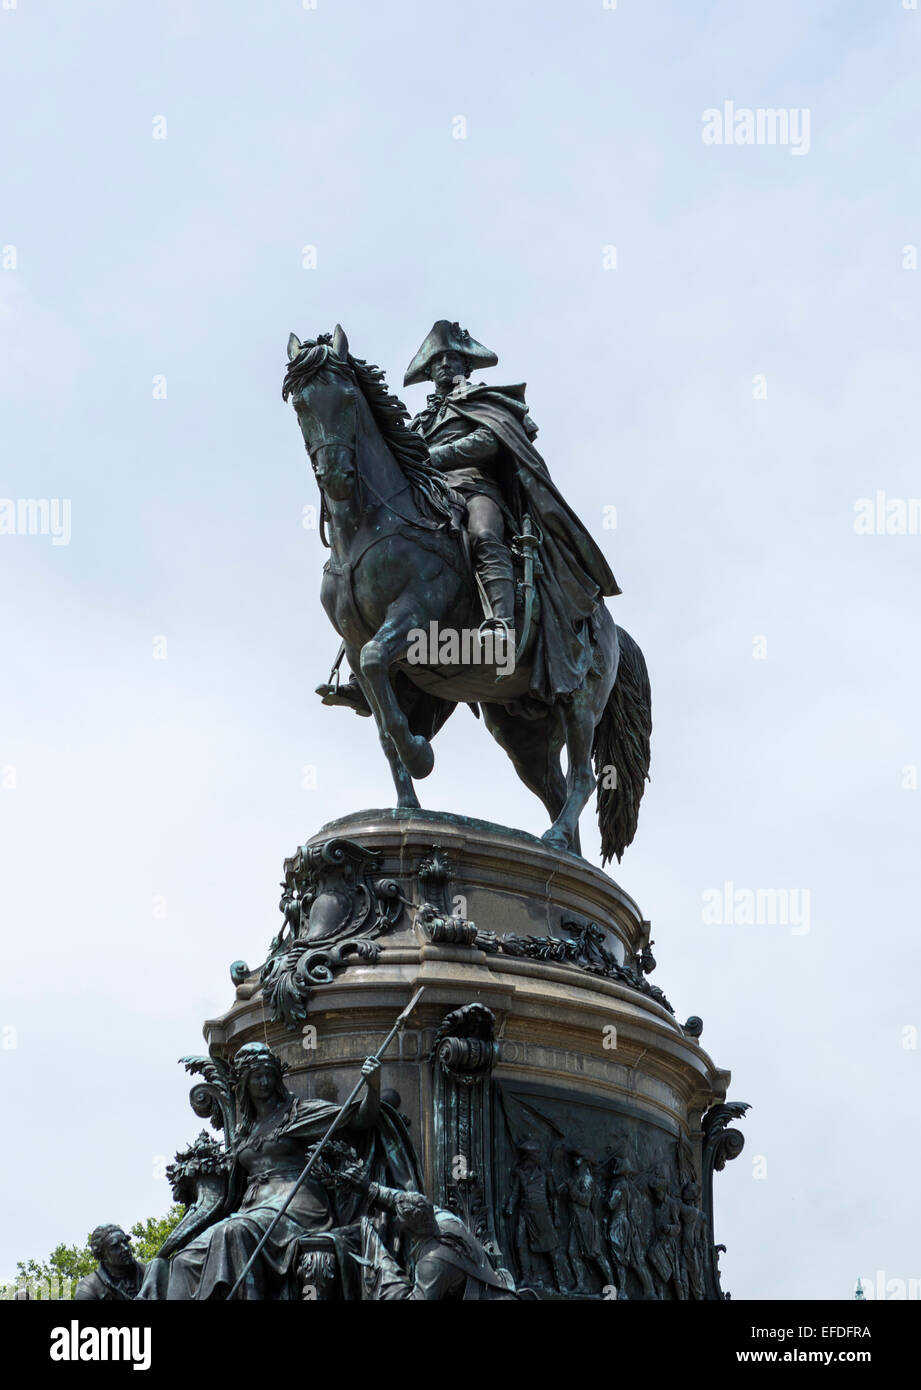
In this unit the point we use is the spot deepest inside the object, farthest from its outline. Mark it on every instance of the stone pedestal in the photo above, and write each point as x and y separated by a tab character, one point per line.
554	1098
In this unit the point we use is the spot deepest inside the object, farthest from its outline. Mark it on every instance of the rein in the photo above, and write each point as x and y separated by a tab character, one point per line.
421	522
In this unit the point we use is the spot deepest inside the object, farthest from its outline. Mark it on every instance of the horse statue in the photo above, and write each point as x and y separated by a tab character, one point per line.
400	570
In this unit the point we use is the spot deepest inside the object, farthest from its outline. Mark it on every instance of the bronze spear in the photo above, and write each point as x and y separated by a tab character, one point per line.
401	1021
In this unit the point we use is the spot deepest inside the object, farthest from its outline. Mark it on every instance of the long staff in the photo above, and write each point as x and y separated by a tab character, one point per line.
400	1023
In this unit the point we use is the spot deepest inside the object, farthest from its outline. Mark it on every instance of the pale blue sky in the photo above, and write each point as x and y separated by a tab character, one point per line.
137	778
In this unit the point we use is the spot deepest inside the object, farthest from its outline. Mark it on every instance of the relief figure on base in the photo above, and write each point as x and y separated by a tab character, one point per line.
443	1259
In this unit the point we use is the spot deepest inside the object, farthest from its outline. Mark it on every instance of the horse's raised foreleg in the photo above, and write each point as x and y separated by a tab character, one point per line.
389	643
406	792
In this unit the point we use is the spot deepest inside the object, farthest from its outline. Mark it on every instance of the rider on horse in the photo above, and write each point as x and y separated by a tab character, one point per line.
480	439
466	451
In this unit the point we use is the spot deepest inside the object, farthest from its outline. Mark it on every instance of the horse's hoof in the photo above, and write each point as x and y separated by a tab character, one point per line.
556	839
421	759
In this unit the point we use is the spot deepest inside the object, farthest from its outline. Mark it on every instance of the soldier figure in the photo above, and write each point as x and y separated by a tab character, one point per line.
637	1226
693	1240
444	1259
532	1210
585	1246
465	449
480	437
618	1232
665	1251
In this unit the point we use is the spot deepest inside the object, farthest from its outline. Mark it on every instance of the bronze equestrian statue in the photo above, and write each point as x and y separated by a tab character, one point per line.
425	524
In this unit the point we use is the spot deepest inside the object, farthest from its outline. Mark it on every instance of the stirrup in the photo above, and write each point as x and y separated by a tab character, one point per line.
349	696
494	625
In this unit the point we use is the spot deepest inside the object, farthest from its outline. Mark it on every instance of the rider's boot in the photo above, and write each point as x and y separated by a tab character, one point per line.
350	694
501	595
497	575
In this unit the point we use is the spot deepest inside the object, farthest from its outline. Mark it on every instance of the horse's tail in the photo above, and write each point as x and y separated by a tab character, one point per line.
621	750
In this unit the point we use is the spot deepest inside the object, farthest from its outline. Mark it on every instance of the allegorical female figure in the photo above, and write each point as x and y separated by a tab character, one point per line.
275	1132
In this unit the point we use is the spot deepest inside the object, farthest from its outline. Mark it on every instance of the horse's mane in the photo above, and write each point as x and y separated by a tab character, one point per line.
390	415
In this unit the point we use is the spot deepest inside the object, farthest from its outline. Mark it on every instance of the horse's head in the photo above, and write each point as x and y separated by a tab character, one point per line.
324	394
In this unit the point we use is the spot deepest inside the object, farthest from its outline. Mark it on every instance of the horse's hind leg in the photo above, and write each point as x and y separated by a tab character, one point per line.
406	792
534	747
578	716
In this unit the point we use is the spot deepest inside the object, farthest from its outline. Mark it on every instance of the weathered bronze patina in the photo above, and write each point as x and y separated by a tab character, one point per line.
406	510
549	1129
118	1275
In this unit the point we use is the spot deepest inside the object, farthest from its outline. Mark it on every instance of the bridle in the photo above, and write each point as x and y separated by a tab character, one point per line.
329	443
421	522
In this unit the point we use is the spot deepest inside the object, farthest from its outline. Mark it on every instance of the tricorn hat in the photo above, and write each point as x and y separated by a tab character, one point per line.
447	337
528	1146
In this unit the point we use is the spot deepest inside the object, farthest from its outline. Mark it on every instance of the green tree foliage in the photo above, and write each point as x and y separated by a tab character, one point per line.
147	1236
